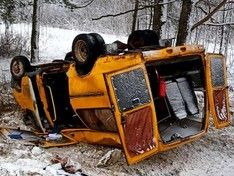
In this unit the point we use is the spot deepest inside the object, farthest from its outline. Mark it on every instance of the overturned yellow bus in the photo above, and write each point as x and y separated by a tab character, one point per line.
138	96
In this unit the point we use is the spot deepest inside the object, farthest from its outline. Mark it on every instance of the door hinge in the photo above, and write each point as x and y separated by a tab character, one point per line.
123	119
113	108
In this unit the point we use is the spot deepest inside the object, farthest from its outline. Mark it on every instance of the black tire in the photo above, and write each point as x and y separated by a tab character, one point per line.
99	44
151	38
86	48
83	49
19	66
142	38
57	61
69	56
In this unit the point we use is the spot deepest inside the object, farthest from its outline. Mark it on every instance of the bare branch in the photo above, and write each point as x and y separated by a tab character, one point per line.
204	11
118	14
132	10
214	22
227	9
209	15
164	3
206	3
176	19
219	24
75	6
198	2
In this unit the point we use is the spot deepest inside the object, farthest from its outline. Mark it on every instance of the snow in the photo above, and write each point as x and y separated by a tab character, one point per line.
4	70
211	155
60	42
56	42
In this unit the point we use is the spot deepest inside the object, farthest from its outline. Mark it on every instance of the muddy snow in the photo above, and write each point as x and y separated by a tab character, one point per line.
213	155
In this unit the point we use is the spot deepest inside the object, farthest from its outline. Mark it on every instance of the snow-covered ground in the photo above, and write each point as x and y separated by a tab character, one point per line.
55	42
211	155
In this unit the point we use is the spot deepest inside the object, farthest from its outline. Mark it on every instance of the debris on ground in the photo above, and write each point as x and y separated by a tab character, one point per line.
37	151
213	155
54	137
110	158
66	164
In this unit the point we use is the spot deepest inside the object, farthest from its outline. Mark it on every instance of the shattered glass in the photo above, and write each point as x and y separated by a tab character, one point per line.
131	89
217	72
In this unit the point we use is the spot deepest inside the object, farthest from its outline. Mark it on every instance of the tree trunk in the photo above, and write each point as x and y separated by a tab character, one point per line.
157	21
183	22
35	31
215	34
165	28
227	43
134	21
7	27
222	34
221	39
151	17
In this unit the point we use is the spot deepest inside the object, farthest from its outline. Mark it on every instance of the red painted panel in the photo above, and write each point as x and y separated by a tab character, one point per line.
220	102
138	130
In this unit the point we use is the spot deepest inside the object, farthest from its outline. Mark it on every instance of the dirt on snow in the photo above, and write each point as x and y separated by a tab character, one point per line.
211	155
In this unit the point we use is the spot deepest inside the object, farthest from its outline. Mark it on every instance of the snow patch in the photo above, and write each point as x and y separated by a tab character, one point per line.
54	43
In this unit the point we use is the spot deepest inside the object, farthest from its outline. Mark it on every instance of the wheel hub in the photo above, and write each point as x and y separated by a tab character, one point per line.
17	68
81	51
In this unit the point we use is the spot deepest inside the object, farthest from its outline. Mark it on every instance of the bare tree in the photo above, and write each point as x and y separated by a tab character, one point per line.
73	5
134	20
209	15
157	21
35	31
183	22
222	34
132	10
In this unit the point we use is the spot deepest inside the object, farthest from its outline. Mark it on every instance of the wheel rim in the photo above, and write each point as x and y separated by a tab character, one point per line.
81	51
17	68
